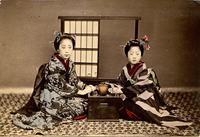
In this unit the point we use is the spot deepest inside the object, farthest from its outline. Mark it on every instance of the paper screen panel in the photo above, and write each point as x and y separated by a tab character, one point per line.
66	27
78	42
72	27
83	41
89	71
89	56
89	42
94	70
95	27
94	56
95	42
83	27
89	27
82	70
78	56
78	26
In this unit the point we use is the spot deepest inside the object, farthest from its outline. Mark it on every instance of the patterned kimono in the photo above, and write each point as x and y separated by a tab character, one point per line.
57	99
143	100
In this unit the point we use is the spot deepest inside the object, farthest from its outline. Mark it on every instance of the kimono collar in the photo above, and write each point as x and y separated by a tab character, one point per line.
132	69
63	61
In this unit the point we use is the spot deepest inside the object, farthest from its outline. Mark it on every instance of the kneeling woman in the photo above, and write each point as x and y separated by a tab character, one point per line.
57	91
141	90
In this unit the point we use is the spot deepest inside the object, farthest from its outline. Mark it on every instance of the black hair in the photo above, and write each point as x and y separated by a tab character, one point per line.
133	43
60	37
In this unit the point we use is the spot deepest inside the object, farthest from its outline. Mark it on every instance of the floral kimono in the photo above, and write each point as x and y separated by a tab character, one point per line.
143	100
54	98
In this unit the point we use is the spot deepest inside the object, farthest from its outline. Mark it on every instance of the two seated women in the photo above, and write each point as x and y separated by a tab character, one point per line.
59	94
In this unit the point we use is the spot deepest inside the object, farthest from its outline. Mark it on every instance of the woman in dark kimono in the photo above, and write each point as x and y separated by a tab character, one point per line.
59	96
141	90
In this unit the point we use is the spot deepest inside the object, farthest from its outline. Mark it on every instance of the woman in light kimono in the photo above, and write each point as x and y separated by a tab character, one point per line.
59	96
141	90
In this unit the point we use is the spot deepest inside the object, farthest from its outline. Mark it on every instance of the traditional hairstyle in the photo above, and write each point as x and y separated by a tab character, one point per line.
59	37
142	44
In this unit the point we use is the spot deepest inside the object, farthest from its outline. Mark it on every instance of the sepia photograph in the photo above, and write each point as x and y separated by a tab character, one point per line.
99	68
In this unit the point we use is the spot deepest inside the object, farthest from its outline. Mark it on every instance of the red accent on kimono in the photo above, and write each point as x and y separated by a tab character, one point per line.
64	62
80	117
127	114
132	70
132	115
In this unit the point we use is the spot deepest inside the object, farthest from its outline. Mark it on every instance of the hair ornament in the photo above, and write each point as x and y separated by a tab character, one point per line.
130	42
57	36
123	46
127	44
142	43
73	36
145	42
145	38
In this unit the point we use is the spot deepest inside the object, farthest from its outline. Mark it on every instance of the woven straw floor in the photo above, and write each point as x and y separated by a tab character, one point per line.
189	109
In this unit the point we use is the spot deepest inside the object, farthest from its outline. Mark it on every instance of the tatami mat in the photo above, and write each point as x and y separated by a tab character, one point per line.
189	109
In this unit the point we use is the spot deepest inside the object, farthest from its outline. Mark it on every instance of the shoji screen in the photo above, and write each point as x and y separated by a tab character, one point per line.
86	50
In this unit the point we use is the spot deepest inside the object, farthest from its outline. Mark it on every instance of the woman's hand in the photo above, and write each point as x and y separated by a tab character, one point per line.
81	85
115	89
88	89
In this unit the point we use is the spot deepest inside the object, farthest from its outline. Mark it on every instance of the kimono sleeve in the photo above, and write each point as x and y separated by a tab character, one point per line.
144	80
56	81
147	77
121	80
74	79
127	90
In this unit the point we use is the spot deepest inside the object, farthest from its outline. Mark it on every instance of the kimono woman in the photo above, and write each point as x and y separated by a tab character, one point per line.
141	90
59	96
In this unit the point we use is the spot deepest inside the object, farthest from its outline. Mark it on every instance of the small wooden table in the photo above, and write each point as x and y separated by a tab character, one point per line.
103	108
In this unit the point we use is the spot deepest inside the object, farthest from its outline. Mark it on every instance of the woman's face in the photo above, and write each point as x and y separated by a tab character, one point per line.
134	55
65	48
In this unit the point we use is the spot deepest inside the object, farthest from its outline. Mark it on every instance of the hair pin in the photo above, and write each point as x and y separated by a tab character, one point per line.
144	41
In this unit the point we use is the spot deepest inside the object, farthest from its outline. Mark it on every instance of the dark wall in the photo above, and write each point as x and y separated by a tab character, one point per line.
26	29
